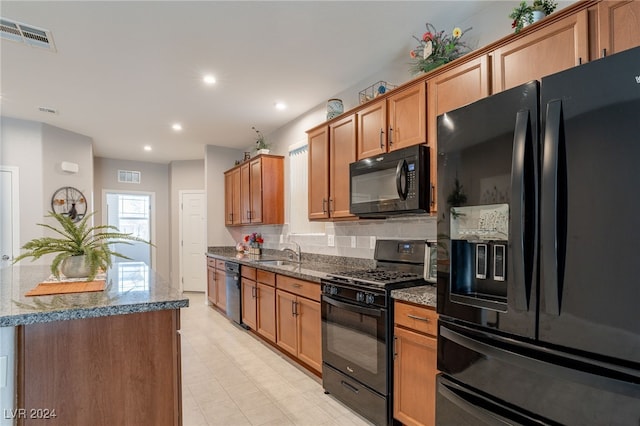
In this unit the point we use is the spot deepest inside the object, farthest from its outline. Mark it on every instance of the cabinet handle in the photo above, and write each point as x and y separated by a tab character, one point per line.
604	52
395	351
324	204
296	285
390	136
433	203
254	292
331	202
425	319
381	144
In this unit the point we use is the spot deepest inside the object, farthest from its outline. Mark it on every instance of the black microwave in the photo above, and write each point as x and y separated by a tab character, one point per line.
390	184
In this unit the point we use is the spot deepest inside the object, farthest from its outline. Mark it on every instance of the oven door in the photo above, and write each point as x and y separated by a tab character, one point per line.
354	341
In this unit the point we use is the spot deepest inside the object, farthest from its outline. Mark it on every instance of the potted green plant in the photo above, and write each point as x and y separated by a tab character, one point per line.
261	144
525	14
82	250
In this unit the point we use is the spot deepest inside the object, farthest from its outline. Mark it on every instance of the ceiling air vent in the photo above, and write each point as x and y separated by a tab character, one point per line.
27	34
128	176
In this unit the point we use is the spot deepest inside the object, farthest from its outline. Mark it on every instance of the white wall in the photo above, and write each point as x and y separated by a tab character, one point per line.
184	175
37	149
154	179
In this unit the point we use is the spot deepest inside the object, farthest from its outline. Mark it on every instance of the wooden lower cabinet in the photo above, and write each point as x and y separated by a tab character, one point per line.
216	283
113	370
415	360
259	302
249	291
299	322
266	312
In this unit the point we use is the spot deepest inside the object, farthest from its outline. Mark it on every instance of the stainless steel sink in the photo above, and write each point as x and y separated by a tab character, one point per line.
273	262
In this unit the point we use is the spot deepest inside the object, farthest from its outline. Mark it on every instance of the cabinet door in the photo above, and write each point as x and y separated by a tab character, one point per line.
319	173
342	152
249	292
266	321
407	117
619	26
211	285
286	322
228	199
309	332
556	47
414	384
245	194
255	189
221	289
372	124
459	86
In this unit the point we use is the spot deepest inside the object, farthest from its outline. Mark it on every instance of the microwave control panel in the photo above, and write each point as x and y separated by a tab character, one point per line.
411	180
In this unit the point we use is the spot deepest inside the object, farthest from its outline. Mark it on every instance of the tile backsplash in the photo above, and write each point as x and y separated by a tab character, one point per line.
345	234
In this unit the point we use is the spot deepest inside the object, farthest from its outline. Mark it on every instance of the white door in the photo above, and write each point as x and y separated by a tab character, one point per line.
131	213
9	223
193	241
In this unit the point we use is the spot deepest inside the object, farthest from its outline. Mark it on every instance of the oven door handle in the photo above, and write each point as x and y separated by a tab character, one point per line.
373	312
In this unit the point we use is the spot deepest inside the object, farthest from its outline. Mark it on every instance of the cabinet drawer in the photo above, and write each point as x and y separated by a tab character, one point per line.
211	263
419	318
248	272
266	277
220	264
301	288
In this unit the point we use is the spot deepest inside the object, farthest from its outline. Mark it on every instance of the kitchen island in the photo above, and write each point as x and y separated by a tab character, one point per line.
100	358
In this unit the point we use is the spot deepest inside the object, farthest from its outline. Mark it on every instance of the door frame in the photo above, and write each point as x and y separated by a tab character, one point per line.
179	242
15	208
152	216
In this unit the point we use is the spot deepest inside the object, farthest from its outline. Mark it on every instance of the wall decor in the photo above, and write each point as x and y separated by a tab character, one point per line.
69	201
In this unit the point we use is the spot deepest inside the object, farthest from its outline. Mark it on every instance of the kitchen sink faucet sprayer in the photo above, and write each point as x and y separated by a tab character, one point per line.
295	254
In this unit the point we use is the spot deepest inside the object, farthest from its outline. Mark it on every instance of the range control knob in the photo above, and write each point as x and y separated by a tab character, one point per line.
333	290
360	296
369	298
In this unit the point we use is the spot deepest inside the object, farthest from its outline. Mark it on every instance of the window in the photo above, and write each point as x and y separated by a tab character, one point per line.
299	190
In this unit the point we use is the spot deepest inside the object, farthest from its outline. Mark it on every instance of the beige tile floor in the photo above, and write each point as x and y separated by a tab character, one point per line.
229	378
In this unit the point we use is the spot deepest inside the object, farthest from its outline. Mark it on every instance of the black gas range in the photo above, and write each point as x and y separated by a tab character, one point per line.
357	327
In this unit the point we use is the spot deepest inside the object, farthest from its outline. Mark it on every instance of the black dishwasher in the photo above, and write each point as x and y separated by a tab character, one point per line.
234	296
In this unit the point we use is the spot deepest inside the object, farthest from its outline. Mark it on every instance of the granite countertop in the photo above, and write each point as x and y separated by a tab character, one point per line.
421	295
131	287
312	268
315	267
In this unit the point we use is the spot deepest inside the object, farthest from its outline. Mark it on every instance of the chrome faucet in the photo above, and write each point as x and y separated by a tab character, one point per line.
297	254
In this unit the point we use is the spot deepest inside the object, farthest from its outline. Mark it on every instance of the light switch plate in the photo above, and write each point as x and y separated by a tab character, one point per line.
354	243
331	242
281	238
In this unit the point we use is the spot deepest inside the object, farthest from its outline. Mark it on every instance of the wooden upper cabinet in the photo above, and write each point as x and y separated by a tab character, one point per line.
459	86
245	194
372	124
232	202
407	111
257	191
391	123
342	152
555	47
617	27
319	173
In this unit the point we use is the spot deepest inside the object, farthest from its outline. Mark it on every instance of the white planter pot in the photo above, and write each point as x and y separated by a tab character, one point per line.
537	15
262	151
75	267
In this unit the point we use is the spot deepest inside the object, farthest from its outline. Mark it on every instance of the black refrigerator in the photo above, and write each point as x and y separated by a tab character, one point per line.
539	251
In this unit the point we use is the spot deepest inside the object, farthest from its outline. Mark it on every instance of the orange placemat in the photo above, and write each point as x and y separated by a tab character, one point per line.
48	288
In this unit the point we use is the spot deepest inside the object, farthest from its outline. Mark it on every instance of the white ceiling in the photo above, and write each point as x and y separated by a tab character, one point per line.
124	71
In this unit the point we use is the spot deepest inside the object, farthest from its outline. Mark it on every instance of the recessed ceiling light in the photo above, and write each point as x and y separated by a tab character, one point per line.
177	127
147	147
209	79
280	106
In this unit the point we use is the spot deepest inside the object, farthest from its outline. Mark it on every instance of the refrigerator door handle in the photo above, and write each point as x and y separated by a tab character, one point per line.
551	243
520	285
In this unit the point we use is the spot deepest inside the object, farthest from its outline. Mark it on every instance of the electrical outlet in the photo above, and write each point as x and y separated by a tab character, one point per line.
281	238
331	242
372	243
354	243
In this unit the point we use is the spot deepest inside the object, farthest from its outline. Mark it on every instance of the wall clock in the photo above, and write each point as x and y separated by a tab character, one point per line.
70	201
